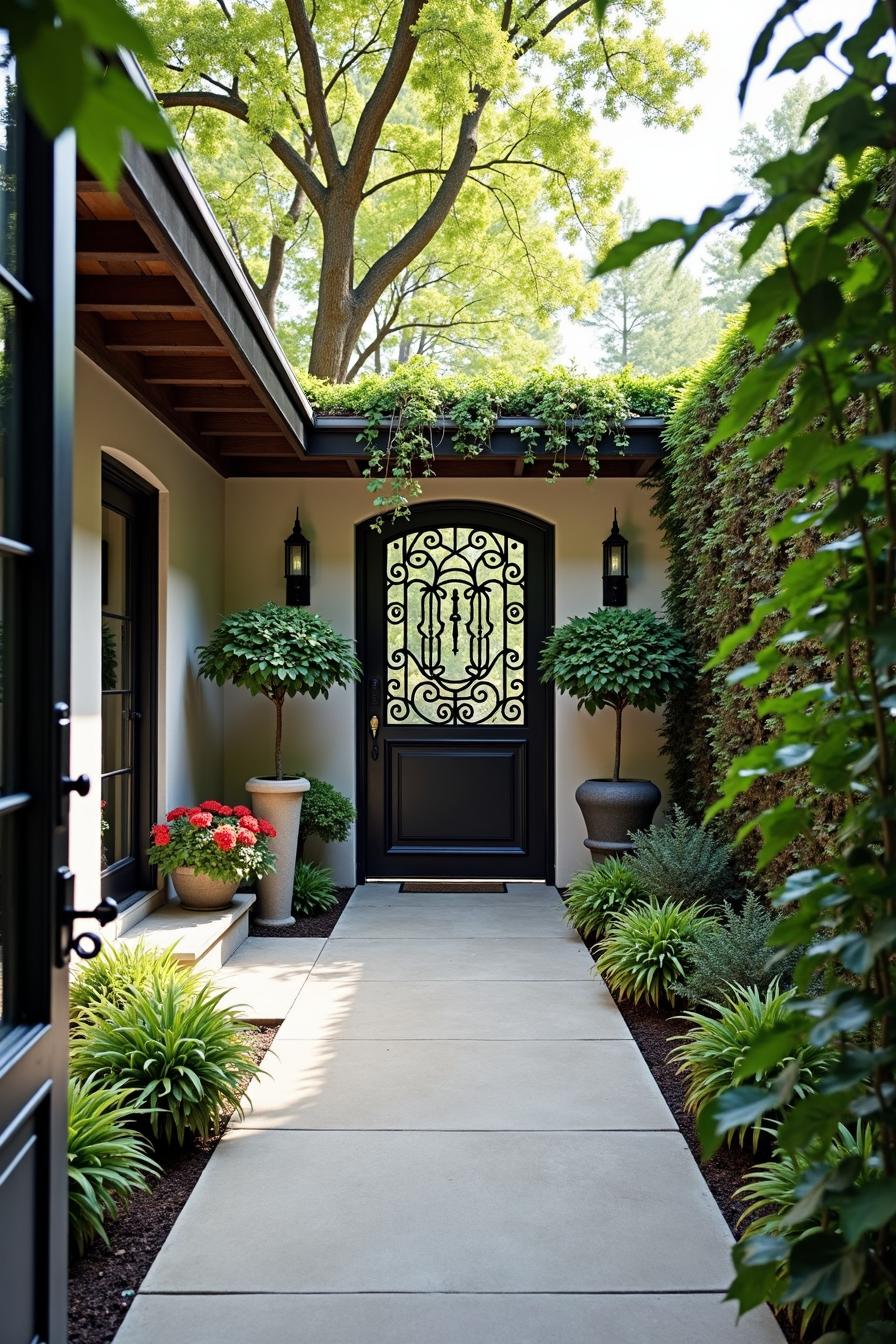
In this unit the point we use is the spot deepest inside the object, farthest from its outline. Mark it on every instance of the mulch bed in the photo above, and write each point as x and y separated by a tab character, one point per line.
308	926
103	1282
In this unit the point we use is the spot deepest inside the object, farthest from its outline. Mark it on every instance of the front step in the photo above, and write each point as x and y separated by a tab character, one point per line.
203	938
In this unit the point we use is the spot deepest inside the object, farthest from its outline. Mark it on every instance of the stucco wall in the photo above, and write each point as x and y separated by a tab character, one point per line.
320	735
191	599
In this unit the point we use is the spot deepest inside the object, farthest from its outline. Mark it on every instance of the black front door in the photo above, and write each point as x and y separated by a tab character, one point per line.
454	604
37	217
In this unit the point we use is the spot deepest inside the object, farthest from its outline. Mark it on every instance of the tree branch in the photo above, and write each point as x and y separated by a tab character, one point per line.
314	89
382	99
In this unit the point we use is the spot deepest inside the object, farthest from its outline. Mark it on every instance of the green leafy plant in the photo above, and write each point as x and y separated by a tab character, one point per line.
735	952
108	1161
278	652
783	1198
229	844
712	1051
820	646
183	1056
647	950
326	813
573	415
681	861
615	658
598	894
313	892
119	969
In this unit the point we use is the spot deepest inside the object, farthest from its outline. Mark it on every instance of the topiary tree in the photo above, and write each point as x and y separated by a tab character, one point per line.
277	652
326	813
614	658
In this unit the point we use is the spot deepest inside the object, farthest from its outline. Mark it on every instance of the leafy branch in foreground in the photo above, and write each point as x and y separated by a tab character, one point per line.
835	606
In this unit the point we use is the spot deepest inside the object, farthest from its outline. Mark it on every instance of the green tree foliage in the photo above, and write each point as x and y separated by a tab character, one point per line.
326	813
389	114
651	316
615	658
64	67
277	652
836	603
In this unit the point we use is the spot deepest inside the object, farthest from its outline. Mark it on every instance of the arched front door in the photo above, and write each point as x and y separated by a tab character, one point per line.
456	755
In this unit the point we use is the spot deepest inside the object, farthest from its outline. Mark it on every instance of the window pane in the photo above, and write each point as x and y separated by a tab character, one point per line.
116	656
8	413
115	562
10	163
117	733
116	822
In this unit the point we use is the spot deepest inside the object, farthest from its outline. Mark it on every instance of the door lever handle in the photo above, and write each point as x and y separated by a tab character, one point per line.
374	726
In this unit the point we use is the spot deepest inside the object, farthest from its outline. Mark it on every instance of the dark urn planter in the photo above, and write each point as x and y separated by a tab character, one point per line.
613	809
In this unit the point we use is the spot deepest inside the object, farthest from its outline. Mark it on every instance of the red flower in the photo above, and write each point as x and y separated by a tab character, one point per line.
203	819
177	812
160	834
242	811
243	837
251	823
224	837
225	811
266	828
210	806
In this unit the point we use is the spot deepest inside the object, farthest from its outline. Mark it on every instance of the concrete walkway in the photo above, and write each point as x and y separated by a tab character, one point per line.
458	1143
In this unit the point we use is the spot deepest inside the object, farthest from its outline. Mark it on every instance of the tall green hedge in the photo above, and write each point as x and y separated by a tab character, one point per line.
715	511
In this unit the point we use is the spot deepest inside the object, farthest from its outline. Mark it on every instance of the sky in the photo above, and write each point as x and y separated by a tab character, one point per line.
677	173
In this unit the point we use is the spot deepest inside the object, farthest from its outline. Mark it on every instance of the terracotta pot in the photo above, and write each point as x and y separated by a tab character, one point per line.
198	891
279	801
613	810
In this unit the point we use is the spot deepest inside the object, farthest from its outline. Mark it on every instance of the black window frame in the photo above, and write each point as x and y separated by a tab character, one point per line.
122	490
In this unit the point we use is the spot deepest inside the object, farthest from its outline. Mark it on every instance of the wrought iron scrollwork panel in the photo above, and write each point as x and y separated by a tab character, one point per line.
455	627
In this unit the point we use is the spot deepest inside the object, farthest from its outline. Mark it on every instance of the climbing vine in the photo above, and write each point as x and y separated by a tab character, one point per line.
574	414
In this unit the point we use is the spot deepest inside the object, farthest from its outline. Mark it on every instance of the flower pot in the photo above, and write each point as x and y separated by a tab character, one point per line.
613	810
279	801
198	891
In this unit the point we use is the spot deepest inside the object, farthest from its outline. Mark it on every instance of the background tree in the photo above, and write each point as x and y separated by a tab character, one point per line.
358	103
729	279
651	316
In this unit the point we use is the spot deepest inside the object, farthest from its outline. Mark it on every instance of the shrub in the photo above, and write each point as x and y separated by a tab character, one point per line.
326	813
225	843
681	861
614	658
108	1161
277	652
713	1050
736	952
183	1055
648	949
112	977
598	894
313	892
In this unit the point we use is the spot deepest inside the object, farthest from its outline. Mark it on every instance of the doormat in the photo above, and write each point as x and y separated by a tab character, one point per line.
454	888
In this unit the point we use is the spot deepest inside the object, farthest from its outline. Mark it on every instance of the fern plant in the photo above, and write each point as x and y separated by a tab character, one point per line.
121	968
712	1051
598	894
648	949
681	861
184	1056
313	892
108	1161
735	952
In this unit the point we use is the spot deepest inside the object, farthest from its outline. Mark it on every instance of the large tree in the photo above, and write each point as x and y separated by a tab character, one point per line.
509	91
651	316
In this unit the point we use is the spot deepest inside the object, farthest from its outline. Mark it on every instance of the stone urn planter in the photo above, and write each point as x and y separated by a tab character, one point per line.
198	891
613	809
615	659
278	801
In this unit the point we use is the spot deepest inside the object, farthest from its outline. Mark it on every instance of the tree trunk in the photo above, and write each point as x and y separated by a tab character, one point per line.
618	742
278	739
334	328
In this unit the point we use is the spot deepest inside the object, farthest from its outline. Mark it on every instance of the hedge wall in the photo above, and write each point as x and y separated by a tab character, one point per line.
715	511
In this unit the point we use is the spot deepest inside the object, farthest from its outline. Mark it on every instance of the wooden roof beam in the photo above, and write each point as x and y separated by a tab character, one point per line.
162	338
189	371
131	293
113	240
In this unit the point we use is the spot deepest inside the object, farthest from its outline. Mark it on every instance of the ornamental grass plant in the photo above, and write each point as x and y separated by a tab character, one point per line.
226	843
648	950
108	1160
681	861
736	951
599	893
313	892
120	969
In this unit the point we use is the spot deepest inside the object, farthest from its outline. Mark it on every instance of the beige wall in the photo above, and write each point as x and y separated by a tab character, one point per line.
320	735
191	599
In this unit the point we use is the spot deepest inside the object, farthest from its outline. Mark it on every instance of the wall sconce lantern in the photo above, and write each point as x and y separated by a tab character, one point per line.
615	568
298	567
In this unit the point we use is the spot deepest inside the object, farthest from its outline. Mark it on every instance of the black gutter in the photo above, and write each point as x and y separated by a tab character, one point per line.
339	435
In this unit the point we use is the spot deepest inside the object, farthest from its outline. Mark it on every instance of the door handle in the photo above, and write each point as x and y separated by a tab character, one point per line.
374	726
85	945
